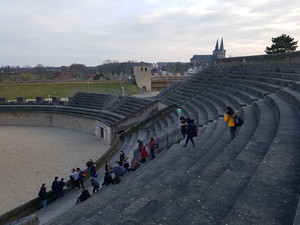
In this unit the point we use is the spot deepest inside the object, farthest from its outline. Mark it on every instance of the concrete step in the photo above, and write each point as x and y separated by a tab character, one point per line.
292	96
217	199
234	99
272	194
215	106
200	112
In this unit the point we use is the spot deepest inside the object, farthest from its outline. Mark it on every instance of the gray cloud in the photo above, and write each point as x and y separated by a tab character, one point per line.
62	32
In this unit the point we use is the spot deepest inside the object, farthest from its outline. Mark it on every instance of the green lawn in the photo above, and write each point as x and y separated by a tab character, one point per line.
32	90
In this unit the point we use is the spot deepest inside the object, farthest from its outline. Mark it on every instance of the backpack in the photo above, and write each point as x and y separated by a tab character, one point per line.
155	145
238	120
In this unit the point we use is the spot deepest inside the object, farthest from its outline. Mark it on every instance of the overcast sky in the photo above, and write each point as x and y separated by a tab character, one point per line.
62	32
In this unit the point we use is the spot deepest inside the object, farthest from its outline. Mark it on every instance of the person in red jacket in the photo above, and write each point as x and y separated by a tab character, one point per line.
153	146
143	151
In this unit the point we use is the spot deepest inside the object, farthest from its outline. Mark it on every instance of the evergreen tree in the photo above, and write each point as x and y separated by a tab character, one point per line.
283	43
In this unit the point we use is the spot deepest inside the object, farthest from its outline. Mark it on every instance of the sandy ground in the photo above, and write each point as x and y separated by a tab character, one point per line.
30	156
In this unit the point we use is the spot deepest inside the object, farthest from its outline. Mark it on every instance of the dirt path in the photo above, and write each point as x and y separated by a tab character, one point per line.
31	156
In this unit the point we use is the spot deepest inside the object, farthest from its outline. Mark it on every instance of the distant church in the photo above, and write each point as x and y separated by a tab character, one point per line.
204	60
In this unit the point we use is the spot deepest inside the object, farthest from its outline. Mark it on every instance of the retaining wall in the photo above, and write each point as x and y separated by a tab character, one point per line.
291	59
82	124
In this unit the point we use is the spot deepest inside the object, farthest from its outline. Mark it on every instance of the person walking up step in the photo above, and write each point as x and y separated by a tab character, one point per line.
229	117
191	132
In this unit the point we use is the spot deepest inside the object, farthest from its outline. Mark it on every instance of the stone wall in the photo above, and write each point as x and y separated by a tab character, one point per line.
290	59
138	117
45	119
159	83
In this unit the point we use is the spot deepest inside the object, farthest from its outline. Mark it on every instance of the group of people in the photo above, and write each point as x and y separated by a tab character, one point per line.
112	174
58	188
189	129
143	149
77	177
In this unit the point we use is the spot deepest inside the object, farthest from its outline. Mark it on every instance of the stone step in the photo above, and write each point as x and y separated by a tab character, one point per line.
247	98
222	102
270	80
215	106
272	194
217	199
252	92
260	84
235	100
291	96
200	112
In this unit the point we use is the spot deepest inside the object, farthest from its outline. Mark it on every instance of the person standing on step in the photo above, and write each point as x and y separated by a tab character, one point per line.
229	118
89	165
80	177
143	151
107	179
62	186
122	158
55	188
95	184
108	168
74	178
43	194
153	146
183	127
191	132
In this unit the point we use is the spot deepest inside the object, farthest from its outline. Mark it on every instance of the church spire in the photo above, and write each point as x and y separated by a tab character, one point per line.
222	46
217	46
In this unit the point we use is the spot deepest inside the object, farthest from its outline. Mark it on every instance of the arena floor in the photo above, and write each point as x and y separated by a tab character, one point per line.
31	156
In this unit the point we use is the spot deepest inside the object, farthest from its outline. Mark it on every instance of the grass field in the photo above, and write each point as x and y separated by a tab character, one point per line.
32	90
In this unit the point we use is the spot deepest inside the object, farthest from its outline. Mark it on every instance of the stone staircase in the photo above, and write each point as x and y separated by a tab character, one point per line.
253	179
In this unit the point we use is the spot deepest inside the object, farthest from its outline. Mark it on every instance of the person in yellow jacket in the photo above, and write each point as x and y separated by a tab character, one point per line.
229	118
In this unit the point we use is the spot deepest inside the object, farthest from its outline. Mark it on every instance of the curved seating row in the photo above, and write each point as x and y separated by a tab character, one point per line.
253	179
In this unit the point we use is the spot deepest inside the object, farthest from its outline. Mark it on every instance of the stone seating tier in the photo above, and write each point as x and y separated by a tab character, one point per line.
167	181
253	179
107	118
92	100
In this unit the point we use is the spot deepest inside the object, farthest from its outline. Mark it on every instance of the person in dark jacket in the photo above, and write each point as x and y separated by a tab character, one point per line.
80	177
95	184
107	178
108	167
61	184
183	126
191	132
89	165
85	194
126	164
122	158
55	188
43	194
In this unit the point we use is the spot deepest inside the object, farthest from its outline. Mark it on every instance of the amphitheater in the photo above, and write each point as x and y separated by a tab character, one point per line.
253	179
